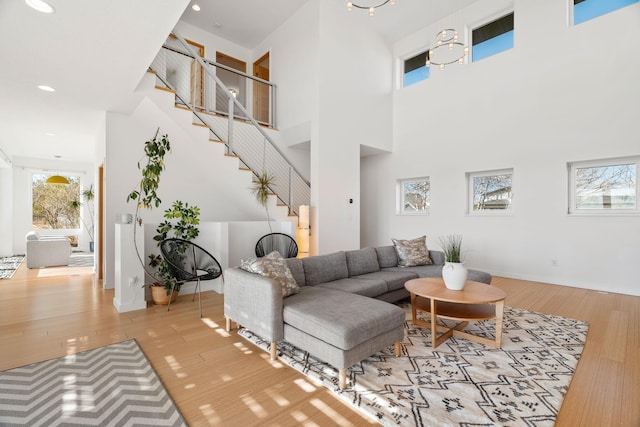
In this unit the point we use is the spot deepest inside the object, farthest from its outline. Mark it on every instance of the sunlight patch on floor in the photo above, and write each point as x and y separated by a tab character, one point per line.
305	385
331	413
303	419
210	414
254	406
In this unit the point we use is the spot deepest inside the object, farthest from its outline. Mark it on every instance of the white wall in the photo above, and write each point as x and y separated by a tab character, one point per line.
6	212
561	94
354	108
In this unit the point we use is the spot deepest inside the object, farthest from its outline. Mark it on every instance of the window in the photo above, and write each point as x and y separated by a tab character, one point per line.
604	186
584	10
492	38
414	196
53	206
490	191
415	69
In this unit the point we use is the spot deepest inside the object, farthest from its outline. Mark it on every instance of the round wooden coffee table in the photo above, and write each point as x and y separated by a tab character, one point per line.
477	301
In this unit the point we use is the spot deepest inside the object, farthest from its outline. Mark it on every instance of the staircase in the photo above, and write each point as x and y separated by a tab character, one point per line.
196	90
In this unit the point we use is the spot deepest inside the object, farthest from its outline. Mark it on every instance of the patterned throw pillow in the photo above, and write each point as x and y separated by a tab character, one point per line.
274	267
412	253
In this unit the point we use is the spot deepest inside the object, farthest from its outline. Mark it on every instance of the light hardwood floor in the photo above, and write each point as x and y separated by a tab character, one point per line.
220	379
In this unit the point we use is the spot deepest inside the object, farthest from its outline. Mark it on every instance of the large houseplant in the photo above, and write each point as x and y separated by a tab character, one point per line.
181	221
454	273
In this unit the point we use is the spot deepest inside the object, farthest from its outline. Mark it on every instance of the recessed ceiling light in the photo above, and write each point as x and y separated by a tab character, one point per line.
57	156
40	6
51	134
196	7
46	88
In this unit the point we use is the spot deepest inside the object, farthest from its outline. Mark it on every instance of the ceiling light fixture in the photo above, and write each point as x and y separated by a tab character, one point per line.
448	50
57	179
40	6
46	88
371	7
196	7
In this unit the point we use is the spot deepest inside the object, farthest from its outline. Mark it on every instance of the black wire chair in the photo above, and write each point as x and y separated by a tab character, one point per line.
189	262
280	242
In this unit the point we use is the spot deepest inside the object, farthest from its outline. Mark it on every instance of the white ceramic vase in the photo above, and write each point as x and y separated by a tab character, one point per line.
454	275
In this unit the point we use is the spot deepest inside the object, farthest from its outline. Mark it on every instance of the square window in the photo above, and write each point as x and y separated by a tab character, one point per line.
604	186
584	10
492	38
413	196
415	69
490	192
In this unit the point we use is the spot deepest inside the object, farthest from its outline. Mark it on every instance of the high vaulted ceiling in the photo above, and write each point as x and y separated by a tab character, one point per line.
95	53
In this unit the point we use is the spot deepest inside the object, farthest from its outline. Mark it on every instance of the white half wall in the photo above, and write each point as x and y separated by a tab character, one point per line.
562	94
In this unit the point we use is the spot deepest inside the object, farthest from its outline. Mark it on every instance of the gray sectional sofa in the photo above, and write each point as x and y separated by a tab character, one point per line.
341	313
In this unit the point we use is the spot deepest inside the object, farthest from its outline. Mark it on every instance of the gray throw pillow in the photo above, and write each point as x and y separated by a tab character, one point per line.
413	252
274	267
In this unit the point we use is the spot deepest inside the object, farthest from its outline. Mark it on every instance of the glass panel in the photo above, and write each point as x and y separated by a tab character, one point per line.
416	196
492	46
55	206
606	187
492	192
415	76
415	69
585	10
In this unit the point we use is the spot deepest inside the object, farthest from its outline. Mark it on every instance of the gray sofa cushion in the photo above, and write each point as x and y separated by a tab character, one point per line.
325	268
362	261
341	319
295	265
387	256
393	279
355	285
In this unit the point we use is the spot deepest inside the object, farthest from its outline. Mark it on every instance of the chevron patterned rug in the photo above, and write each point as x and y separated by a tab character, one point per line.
461	383
108	386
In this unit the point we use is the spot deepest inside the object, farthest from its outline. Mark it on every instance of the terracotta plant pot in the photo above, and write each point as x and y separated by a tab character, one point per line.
160	297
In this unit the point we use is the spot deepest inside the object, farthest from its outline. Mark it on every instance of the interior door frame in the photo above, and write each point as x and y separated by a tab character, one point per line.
258	100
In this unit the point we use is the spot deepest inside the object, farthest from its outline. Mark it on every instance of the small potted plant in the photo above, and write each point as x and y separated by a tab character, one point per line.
261	189
454	273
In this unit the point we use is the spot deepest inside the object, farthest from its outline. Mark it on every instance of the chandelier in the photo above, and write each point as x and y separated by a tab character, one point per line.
448	49
372	8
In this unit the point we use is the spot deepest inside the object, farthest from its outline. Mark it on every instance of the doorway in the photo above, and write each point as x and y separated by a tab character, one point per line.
261	91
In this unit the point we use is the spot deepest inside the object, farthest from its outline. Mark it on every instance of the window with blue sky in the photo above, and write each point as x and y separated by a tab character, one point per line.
492	38
415	69
584	10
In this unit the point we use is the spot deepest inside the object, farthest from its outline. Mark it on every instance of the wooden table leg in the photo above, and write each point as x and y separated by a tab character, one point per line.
413	308
499	317
434	327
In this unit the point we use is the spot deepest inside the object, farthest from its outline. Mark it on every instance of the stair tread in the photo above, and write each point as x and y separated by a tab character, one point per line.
166	89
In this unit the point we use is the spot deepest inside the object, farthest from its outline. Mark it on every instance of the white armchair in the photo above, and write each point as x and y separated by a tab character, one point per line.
47	251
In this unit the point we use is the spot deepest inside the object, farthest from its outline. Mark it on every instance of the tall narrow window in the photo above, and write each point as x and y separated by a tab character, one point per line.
492	38
490	191
414	196
415	69
604	186
584	10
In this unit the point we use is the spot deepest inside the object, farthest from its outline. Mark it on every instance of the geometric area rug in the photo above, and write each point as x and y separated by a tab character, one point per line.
460	383
113	385
9	264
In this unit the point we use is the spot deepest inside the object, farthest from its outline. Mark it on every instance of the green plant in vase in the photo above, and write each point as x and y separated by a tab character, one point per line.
261	189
